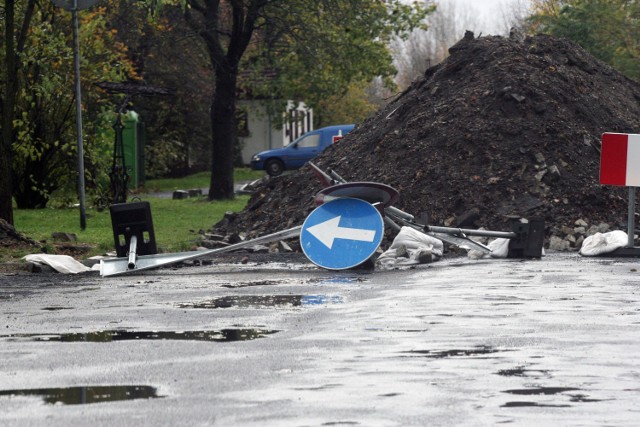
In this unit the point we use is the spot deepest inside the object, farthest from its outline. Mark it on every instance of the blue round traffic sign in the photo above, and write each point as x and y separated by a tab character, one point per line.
342	233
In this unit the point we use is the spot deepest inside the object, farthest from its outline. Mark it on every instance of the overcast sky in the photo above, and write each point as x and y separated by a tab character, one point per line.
490	19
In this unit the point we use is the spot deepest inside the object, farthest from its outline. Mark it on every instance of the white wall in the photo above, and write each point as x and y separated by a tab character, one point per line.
263	135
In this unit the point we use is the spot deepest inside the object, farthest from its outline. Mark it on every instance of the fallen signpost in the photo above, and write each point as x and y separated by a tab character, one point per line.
343	232
120	266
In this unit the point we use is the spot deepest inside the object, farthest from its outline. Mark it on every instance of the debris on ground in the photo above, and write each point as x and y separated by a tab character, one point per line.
64	245
501	129
604	243
60	263
411	247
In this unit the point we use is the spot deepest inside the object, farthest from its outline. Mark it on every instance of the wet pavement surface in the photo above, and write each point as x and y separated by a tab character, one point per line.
458	342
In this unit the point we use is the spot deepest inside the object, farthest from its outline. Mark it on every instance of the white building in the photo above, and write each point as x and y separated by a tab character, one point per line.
259	132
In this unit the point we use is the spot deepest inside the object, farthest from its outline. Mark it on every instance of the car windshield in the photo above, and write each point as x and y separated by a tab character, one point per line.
308	141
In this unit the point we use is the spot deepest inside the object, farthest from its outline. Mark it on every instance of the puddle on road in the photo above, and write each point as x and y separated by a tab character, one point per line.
409	331
341	423
318	388
541	390
521	371
547	391
319	281
223	335
536	404
262	301
583	398
85	395
249	284
342	280
441	354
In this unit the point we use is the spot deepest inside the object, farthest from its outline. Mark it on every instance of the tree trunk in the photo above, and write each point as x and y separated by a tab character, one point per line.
6	208
8	101
225	57
223	126
8	107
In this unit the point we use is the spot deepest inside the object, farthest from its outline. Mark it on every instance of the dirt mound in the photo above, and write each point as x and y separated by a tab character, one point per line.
503	128
10	238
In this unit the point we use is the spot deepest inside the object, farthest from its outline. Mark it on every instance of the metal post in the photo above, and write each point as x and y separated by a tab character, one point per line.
133	252
631	220
76	58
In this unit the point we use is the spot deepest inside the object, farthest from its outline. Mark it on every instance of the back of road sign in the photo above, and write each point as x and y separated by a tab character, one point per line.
620	159
372	192
342	233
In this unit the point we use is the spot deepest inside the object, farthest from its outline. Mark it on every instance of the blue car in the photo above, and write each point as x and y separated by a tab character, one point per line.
300	151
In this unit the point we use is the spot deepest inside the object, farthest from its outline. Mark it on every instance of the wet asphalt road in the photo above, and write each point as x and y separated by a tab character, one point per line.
458	342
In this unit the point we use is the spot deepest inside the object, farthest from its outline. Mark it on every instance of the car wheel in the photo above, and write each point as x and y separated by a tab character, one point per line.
274	167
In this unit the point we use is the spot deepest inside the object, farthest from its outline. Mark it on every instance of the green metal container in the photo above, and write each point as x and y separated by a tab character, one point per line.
133	141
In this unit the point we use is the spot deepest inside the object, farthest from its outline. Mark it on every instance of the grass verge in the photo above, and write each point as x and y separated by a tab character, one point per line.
197	180
176	223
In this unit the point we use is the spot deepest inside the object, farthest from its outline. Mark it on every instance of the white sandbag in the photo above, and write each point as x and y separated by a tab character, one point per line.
411	247
604	243
60	263
411	238
499	248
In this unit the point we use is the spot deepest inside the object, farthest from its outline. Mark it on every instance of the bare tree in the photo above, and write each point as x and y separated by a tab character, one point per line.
513	14
426	48
446	27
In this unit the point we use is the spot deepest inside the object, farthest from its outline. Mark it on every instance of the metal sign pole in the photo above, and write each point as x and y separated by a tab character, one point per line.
630	250
631	219
76	61
74	6
120	266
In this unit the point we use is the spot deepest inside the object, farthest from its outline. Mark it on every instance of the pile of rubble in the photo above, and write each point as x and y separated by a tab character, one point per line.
504	128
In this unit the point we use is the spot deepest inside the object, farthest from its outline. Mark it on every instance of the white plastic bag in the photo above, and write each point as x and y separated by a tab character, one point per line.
499	249
60	263
411	247
603	243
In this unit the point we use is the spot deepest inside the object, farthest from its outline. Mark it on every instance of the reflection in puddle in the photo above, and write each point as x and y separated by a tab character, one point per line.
223	335
258	301
84	395
455	353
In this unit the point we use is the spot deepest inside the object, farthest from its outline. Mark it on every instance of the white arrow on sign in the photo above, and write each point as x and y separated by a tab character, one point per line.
330	230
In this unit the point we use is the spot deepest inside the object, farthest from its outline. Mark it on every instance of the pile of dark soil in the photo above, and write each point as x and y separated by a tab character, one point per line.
502	128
